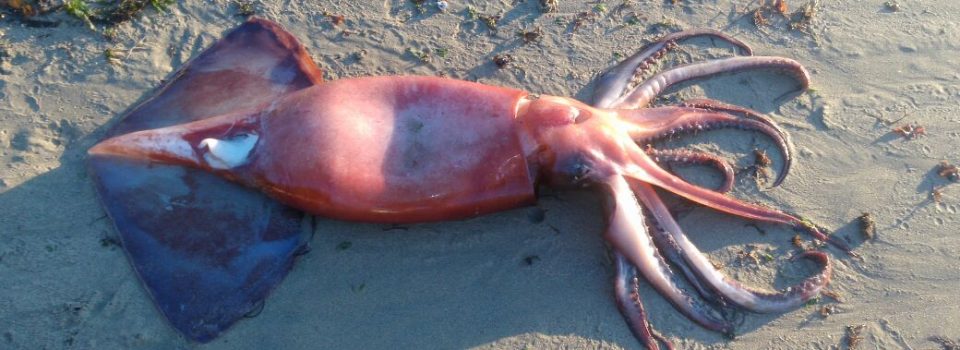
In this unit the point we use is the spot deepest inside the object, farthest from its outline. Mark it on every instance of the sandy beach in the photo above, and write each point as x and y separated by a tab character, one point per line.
509	280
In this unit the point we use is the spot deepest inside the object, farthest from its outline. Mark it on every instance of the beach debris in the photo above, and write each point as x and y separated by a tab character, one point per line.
868	227
548	6
502	60
761	163
828	310
797	241
949	171
801	19
111	34
892	6
530	36
853	335
90	12
583	18
421	55
936	194
910	131
245	8
80	10
420	6
780	5
359	55
113	55
470	13
107	13
490	21
634	18
777	11
116	54
29	8
22	7
759	19
126	10
753	255
767	9
335	19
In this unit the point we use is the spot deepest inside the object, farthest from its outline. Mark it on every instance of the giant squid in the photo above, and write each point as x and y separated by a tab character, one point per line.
207	179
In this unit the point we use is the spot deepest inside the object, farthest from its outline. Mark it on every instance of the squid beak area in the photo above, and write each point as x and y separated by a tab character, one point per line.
160	145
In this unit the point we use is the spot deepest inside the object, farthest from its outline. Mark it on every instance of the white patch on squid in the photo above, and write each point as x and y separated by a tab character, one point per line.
158	143
230	153
574	113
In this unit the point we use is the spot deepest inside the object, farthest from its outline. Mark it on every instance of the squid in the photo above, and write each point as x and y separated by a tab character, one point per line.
208	180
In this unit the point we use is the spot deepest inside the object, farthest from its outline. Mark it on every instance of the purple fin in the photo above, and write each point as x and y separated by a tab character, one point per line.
208	251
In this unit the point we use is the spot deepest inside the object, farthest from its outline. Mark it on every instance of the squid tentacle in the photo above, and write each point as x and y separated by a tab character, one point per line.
699	158
652	124
669	249
643	94
627	232
731	290
645	169
626	288
612	84
783	142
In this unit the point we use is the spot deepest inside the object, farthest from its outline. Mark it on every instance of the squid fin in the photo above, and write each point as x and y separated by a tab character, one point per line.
208	251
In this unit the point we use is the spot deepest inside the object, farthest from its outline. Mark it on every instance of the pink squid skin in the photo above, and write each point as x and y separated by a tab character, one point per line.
414	149
397	150
402	149
379	149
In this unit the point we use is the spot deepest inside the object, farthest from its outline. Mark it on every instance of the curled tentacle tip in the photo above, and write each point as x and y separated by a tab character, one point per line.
781	176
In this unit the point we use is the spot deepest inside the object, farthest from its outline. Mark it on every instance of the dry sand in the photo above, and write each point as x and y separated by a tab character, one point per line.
466	284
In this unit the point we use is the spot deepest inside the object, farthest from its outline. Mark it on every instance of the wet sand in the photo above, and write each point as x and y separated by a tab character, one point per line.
505	281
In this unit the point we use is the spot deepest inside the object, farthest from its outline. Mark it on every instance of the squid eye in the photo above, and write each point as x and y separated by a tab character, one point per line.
576	170
228	153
